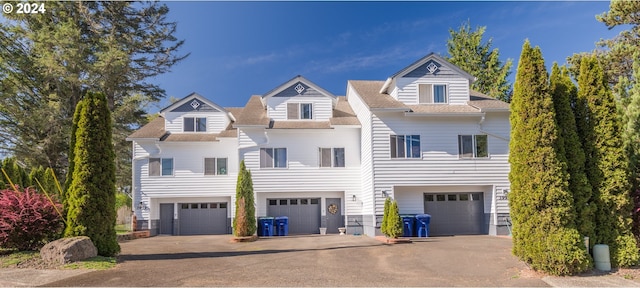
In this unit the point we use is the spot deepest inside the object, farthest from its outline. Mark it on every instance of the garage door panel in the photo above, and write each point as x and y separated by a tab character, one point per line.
455	213
203	218
303	213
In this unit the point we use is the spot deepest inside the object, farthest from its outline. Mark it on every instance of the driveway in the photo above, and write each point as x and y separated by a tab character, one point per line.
312	260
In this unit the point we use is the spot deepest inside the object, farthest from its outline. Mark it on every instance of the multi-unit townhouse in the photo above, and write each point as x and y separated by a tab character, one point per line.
422	137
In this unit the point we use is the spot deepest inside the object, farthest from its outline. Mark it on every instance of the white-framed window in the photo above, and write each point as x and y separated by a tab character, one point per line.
273	157
296	111
432	93
160	166
215	166
405	146
331	157
473	146
195	124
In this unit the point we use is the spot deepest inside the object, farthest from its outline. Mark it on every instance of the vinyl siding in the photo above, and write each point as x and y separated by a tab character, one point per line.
366	170
216	121
440	164
322	106
406	90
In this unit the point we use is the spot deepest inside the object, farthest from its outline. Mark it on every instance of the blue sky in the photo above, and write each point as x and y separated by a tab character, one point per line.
239	49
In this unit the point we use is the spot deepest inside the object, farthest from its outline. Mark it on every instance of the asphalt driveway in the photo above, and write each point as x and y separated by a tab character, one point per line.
313	260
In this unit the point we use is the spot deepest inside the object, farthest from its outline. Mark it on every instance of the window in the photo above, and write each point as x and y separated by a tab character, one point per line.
299	111
432	93
473	146
273	157
405	146
192	124
215	166
160	166
329	157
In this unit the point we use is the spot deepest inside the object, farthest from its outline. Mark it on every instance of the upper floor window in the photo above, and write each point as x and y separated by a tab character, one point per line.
299	111
273	157
195	124
432	93
160	166
473	146
331	157
215	166
405	146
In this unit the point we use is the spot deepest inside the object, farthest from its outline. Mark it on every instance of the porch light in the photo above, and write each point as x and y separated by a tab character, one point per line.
384	193
353	197
142	206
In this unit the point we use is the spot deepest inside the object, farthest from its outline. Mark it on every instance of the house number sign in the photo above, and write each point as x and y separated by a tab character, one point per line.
333	209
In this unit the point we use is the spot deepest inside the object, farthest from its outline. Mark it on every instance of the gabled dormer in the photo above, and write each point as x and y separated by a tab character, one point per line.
430	80
195	114
299	100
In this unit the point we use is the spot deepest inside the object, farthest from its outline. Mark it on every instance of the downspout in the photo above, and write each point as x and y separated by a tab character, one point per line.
489	133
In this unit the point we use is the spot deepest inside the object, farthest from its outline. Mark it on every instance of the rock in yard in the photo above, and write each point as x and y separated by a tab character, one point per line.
68	250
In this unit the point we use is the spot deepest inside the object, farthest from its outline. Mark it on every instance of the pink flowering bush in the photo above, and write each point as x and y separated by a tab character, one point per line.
28	219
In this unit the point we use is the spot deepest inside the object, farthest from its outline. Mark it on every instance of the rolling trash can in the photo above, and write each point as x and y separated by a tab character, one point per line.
408	225
265	226
422	224
282	226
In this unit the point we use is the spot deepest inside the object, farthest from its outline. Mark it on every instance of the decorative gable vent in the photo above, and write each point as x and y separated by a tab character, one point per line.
195	104
432	67
299	88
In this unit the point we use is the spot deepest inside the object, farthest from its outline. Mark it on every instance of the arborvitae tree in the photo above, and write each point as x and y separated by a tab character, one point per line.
15	172
609	170
467	51
385	216
563	90
544	233
50	183
72	147
394	222
244	223
92	194
631	136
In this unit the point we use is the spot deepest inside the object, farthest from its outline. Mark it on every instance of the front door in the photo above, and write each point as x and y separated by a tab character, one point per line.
166	218
334	215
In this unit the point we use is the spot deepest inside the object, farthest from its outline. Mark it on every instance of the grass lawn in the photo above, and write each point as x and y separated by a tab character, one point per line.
122	229
31	259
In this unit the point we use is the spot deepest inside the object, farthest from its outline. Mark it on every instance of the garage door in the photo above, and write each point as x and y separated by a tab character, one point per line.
203	218
303	213
455	213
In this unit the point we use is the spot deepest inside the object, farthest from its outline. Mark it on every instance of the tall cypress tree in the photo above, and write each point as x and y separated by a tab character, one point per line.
72	147
244	224
563	91
608	163
91	196
542	211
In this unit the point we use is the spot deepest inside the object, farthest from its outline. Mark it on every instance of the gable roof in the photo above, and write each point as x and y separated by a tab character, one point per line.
430	57
293	81
369	91
191	97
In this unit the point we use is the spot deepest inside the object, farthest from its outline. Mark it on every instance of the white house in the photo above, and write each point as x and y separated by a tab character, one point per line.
422	137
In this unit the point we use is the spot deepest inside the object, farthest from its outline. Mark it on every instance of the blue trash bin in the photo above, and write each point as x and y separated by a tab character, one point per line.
408	225
422	224
265	226
282	226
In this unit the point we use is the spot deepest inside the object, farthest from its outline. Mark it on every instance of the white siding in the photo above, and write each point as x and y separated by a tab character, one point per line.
303	174
407	89
440	164
188	179
322	107
366	166
216	121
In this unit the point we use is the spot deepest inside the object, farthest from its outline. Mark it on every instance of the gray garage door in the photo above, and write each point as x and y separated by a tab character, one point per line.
203	218
303	213
455	213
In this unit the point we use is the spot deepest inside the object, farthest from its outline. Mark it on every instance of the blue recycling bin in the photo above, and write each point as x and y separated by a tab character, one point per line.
422	224
265	226
408	225
282	226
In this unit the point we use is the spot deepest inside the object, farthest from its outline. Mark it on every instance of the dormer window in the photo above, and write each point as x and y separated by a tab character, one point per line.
195	124
300	111
432	93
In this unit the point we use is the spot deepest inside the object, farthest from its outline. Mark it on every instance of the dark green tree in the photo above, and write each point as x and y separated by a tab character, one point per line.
467	51
244	222
563	91
608	164
91	196
631	136
542	208
385	216
49	61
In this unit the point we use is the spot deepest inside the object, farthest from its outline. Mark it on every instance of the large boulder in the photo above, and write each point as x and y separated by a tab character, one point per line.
67	250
